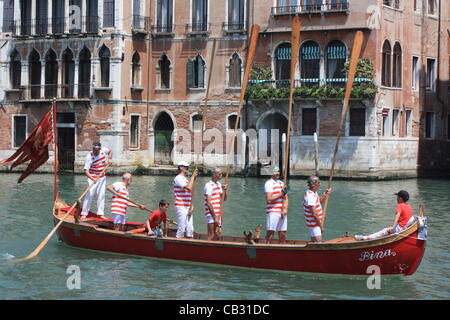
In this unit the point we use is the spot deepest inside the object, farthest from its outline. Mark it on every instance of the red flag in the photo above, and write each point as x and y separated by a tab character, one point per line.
35	148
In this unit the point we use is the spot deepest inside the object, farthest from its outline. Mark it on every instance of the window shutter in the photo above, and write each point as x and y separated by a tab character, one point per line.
190	73
201	72
8	15
108	13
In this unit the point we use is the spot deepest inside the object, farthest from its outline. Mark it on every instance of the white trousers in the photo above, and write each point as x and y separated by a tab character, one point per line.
99	190
385	231
185	223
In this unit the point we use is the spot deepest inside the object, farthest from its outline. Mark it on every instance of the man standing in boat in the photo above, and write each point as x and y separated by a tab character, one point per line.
95	163
276	207
119	203
215	195
312	205
182	191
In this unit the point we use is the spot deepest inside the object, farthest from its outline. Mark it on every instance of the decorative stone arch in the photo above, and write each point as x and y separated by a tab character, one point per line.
228	69
159	75
191	121
161	140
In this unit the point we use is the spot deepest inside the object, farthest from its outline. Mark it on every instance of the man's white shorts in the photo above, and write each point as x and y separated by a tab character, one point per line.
315	231
209	219
274	222
119	218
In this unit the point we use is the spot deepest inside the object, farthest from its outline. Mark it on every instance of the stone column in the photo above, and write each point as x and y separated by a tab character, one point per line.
17	16
24	79
50	16
115	77
43	78
75	77
33	17
100	14
60	81
83	15
66	16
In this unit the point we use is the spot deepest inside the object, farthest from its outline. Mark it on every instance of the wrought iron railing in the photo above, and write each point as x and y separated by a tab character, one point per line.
233	27
307	82
141	23
162	28
320	6
48	91
197	27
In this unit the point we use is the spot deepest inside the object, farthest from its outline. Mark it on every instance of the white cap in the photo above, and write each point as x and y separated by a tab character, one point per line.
183	163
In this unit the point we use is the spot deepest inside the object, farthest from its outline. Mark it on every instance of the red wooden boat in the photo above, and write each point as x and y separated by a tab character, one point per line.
395	254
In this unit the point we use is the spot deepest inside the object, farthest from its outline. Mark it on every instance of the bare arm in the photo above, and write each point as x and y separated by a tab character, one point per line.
316	216
210	206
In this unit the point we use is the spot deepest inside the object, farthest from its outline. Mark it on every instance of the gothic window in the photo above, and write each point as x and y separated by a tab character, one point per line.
386	64
51	74
15	69
310	63
135	70
235	71
68	73
397	66
196	72
336	56
34	65
104	55
164	69
283	64
84	73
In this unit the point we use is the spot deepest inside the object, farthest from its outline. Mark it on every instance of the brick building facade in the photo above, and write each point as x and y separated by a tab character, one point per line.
129	73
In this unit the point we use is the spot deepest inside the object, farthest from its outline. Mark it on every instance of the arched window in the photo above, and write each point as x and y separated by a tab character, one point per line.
283	64
164	69
51	74
68	73
386	64
15	69
84	73
34	65
310	63
104	55
397	66
135	70
235	71
231	122
196	122
336	56
196	72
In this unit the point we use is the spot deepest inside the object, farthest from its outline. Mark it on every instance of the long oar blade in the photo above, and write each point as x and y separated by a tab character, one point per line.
356	50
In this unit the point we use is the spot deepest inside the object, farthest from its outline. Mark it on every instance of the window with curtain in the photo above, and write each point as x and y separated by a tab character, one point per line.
84	73
336	56
283	64
199	15
236	14
386	64
397	66
310	63
135	70
164	69
235	71
104	55
68	73
164	15
196	72
108	13
51	74
15	69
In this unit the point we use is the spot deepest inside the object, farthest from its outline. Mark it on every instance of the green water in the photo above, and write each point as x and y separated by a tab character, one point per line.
356	207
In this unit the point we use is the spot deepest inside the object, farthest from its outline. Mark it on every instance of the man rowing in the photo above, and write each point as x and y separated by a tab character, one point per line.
276	207
95	163
120	203
215	195
182	191
312	206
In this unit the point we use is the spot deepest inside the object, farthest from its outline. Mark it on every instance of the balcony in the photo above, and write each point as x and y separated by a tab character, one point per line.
230	28
51	26
140	25
38	92
198	29
313	7
163	30
334	88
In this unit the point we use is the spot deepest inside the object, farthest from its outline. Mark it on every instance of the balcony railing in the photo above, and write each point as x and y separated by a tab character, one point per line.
141	23
49	91
41	27
162	29
197	28
233	27
308	82
313	7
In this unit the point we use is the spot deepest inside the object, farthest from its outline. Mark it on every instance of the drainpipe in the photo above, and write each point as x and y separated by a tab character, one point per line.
438	78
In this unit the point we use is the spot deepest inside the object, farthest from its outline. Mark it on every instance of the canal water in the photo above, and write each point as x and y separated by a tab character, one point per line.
357	207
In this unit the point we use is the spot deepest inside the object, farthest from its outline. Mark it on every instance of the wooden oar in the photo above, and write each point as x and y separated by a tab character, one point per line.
357	44
44	242
295	46
145	208
248	66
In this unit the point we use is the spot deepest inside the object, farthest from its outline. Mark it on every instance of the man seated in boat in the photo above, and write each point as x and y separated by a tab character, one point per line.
312	207
158	217
215	195
119	201
276	207
402	220
94	164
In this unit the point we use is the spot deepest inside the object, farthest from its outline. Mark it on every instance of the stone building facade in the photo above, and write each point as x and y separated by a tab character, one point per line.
130	73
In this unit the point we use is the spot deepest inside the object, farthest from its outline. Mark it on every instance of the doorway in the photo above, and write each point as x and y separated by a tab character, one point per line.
65	124
163	139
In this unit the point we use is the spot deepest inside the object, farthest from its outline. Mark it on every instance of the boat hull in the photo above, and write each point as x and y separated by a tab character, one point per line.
399	256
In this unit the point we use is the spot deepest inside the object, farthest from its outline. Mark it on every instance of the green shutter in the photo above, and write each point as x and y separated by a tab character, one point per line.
190	73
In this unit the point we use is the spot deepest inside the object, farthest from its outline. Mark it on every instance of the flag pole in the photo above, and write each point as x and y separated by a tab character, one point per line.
55	152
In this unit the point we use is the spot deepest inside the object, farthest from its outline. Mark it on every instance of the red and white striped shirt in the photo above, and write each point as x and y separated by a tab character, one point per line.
96	163
183	197
118	204
213	189
275	187
311	199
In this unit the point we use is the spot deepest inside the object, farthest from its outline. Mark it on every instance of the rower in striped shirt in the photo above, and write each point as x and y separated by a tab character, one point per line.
215	195
120	203
95	162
